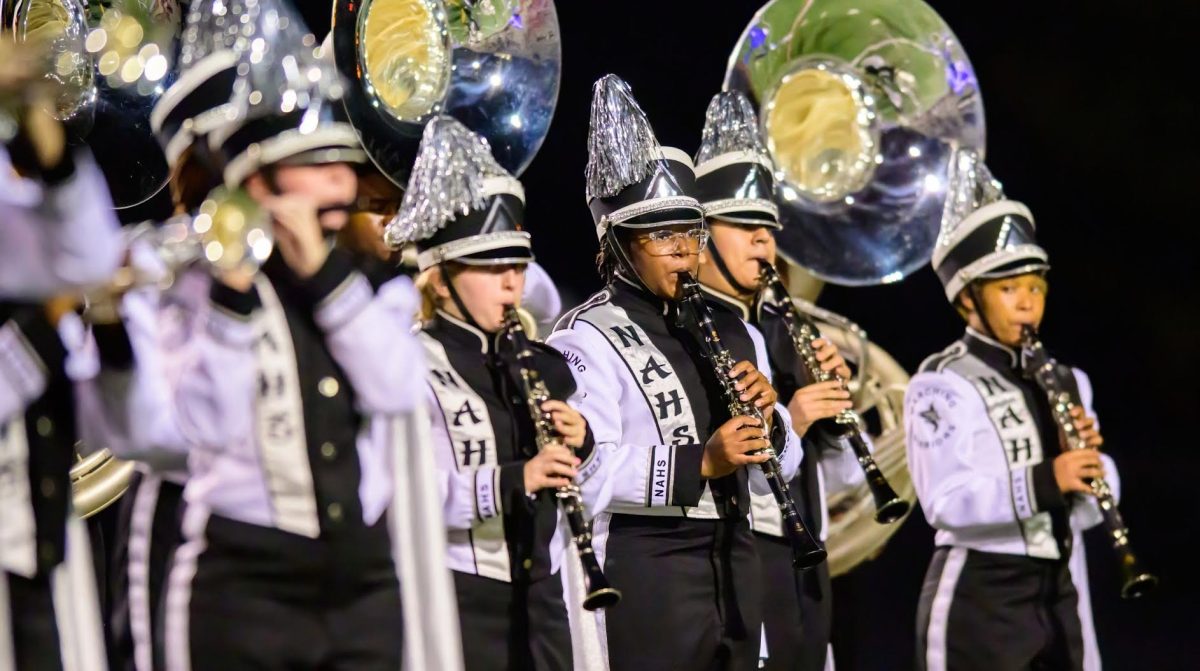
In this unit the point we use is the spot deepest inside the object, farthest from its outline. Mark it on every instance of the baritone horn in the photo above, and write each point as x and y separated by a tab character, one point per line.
229	231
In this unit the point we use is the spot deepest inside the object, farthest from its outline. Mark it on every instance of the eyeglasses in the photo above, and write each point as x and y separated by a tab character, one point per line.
665	241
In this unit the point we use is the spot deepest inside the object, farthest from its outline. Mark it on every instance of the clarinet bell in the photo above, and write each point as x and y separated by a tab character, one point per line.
806	558
891	511
1135	582
600	599
600	594
1138	586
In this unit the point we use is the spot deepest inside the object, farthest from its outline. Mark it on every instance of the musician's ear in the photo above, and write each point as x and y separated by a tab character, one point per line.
964	304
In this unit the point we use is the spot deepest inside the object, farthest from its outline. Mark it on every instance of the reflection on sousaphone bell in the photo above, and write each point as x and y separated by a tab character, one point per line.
867	107
495	65
108	61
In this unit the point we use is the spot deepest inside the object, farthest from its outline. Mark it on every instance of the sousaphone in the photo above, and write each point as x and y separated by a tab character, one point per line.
495	65
108	62
873	117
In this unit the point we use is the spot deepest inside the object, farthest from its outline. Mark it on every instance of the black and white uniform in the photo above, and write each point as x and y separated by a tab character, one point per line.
287	560
678	547
58	232
1007	587
163	328
503	545
797	606
49	604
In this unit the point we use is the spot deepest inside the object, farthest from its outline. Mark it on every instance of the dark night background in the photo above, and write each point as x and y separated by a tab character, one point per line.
1091	123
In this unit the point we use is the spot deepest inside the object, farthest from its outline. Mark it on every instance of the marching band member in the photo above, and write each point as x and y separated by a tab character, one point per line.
465	214
1007	584
57	234
288	559
669	478
736	187
57	227
49	604
163	326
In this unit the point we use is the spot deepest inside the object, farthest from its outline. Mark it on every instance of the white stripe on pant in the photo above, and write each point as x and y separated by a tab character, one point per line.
140	525
939	615
179	593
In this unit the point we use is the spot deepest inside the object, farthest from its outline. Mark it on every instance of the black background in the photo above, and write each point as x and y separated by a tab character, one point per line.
1091	123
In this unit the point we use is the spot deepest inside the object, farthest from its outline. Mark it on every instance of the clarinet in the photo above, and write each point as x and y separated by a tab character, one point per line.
599	593
889	507
806	550
1064	397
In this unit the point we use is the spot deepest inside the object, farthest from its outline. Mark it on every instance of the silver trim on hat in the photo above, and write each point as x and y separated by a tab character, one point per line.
456	249
979	269
286	144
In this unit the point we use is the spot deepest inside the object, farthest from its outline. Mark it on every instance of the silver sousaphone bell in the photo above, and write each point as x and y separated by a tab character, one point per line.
868	108
108	62
495	65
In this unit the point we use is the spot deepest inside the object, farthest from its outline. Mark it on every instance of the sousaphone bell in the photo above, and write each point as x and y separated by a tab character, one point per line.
108	62
495	65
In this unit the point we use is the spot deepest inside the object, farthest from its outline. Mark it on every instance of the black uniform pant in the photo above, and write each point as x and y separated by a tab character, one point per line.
797	608
34	629
147	533
513	626
262	598
690	594
981	611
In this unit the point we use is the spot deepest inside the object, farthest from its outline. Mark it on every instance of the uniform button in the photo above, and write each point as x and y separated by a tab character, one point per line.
733	501
328	387
334	510
44	427
48	488
528	564
328	451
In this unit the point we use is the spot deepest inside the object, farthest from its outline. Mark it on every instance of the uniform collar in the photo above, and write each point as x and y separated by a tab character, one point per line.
990	350
725	300
461	333
638	298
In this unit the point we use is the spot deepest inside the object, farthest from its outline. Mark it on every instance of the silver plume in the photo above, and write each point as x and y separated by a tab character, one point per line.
621	143
730	125
446	181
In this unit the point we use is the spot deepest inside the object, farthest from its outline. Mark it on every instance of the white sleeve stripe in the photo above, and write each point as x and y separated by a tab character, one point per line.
344	303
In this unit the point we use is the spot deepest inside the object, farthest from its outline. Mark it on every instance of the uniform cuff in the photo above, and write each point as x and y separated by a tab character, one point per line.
112	340
338	291
779	438
230	320
337	268
585	451
1047	495
29	350
512	487
236	303
41	337
675	475
61	173
487	494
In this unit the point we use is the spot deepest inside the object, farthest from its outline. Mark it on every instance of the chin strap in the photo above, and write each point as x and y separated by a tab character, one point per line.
977	299
624	263
462	307
724	269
